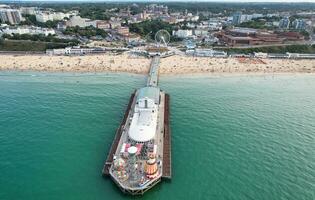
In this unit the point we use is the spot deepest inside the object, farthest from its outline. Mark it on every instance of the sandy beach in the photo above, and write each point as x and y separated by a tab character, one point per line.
140	65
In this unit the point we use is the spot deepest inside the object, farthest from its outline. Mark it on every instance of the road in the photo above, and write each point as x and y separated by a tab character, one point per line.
267	45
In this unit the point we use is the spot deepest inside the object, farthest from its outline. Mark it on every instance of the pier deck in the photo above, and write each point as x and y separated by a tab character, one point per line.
154	72
167	161
117	137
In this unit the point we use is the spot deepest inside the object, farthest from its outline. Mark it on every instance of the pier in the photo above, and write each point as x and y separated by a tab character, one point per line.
140	154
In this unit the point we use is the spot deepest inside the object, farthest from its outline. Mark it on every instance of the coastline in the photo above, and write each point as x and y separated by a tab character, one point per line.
174	65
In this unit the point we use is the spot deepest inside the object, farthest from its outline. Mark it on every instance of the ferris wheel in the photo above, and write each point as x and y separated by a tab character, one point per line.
162	37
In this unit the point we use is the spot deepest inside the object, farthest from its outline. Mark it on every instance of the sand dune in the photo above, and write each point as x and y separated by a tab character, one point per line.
170	65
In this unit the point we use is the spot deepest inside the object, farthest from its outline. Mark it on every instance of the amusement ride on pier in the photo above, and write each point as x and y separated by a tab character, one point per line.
140	155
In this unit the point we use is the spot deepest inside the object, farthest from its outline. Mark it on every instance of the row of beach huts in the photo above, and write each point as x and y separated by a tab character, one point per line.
193	52
83	51
223	54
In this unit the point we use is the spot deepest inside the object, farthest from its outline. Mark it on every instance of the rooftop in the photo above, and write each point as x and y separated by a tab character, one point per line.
244	30
149	92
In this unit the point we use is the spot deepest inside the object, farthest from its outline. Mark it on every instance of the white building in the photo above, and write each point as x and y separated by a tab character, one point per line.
183	33
29	30
193	18
44	17
191	25
91	23
76	50
28	10
82	22
77	21
206	53
60	16
215	26
260	55
201	32
257	15
211	39
44	31
115	23
19	30
62	25
273	15
2	6
51	16
245	18
237	18
299	24
284	23
144	120
276	23
203	25
12	16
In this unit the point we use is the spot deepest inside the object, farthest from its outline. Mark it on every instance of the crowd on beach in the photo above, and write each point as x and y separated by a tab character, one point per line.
170	65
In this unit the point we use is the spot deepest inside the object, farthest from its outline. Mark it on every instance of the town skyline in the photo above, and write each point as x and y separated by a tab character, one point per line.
161	1
225	27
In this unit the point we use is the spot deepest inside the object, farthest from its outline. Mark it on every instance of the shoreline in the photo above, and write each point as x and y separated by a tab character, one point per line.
174	65
186	75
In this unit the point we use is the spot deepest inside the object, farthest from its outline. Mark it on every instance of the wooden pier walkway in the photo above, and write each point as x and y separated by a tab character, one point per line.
167	159
118	134
153	75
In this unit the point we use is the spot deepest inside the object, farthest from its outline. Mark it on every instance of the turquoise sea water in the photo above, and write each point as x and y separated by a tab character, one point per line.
233	137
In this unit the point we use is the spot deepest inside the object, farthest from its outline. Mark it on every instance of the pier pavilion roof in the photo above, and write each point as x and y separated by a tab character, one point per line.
149	92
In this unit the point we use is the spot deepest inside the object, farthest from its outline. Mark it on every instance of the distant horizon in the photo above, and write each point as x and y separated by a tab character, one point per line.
166	1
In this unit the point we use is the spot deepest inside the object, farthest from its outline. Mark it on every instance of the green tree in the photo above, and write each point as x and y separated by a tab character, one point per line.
85	32
40	37
135	10
94	12
148	26
254	24
305	34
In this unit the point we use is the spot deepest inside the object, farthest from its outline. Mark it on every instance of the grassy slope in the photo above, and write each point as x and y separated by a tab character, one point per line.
279	49
18	45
